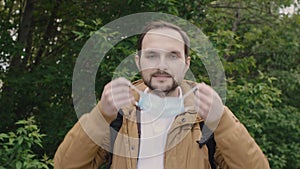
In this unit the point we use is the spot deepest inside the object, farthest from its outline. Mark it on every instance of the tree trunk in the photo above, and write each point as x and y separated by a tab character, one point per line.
24	30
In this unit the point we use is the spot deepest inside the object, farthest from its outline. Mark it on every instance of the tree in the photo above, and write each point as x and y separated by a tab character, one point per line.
259	48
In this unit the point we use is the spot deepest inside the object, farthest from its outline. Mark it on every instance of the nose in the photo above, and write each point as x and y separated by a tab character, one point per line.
162	65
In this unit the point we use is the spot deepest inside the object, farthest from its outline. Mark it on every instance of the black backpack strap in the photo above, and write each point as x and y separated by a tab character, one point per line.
209	140
114	129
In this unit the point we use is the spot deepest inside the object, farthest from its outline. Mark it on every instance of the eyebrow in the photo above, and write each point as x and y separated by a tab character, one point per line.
150	52
155	52
176	52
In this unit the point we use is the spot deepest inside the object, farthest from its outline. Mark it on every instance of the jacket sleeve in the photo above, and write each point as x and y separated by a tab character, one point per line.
85	144
236	149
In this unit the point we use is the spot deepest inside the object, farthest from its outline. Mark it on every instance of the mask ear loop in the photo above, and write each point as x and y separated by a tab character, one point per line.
190	91
138	91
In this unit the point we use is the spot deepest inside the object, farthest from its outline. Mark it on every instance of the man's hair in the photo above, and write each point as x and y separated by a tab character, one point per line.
160	25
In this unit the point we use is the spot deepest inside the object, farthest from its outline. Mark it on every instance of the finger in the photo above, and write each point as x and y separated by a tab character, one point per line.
202	104
201	107
123	102
118	82
125	96
120	85
120	90
121	81
124	91
202	111
205	99
117	92
204	88
197	100
205	108
114	95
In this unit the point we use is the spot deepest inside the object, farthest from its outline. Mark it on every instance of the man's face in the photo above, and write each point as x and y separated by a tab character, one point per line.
162	62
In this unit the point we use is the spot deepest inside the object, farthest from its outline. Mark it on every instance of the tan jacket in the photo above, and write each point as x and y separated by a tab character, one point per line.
87	143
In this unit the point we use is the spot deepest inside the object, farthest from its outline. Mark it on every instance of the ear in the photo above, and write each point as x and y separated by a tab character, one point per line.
137	61
187	63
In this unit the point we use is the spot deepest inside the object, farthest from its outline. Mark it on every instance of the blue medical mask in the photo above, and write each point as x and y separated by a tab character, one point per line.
162	106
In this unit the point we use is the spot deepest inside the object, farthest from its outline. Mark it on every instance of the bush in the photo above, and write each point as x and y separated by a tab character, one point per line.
16	148
273	124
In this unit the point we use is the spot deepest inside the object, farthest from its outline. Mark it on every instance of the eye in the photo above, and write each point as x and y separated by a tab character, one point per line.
151	55
173	56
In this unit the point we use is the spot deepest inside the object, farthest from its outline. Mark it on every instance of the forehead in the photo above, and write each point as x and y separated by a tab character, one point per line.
163	38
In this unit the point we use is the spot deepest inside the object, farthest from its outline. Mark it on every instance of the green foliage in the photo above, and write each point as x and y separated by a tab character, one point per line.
259	106
259	49
16	148
258	46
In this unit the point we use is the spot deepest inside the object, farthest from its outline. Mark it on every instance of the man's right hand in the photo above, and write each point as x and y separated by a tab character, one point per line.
115	95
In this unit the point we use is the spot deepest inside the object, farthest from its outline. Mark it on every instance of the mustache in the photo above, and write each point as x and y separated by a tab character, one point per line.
161	73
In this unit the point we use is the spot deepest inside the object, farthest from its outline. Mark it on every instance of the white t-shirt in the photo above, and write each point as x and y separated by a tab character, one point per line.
153	140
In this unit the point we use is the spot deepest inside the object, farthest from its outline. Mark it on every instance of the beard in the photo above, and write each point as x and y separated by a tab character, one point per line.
168	89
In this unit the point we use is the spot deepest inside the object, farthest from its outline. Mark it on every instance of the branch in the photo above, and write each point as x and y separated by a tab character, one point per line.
47	33
237	19
227	6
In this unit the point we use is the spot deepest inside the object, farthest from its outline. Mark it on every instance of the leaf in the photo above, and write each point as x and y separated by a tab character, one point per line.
21	122
3	136
18	165
20	140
